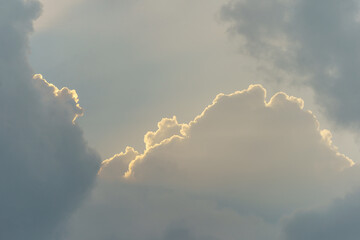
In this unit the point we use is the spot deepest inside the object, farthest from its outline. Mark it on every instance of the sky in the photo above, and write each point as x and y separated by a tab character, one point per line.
179	120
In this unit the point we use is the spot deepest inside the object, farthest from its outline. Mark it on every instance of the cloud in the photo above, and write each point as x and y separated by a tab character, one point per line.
316	40
338	221
178	45
118	210
274	146
66	98
53	12
236	170
46	166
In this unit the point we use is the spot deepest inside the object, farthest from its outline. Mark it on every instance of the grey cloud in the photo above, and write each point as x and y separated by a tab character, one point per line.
180	231
178	234
119	210
46	165
317	40
339	221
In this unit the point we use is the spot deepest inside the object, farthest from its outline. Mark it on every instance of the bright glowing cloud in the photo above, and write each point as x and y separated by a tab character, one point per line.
236	170
241	139
66	98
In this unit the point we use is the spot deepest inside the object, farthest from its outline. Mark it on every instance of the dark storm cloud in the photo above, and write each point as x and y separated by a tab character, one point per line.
316	39
45	165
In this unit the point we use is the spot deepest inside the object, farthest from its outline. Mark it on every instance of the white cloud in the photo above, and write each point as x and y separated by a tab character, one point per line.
235	170
276	147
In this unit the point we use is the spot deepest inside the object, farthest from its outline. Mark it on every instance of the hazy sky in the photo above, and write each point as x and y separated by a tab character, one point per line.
179	120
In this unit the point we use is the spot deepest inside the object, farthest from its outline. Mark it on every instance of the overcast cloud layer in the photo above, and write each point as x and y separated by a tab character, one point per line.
317	40
236	170
246	167
46	166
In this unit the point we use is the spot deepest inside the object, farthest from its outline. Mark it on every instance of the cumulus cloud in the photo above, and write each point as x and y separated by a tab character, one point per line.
317	40
46	165
239	140
235	170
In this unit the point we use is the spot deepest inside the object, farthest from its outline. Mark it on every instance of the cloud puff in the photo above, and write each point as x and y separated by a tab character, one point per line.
235	170
317	40
46	165
65	98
